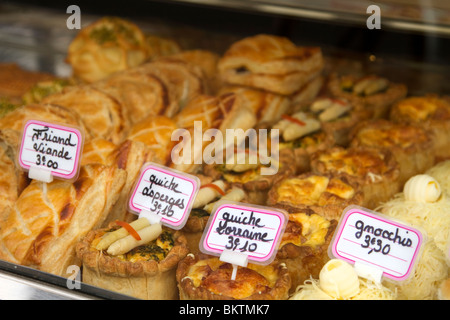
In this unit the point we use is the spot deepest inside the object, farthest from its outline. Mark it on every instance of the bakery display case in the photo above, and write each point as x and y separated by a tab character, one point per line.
359	91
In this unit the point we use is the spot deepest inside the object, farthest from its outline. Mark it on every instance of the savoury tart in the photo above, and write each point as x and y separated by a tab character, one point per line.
304	245
411	144
326	194
431	112
204	277
146	272
375	170
375	93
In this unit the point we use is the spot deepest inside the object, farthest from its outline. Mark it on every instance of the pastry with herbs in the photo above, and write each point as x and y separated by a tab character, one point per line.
106	46
137	259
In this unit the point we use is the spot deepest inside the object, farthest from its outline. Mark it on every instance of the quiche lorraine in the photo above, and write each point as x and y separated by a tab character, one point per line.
410	144
304	245
205	277
431	112
376	171
325	194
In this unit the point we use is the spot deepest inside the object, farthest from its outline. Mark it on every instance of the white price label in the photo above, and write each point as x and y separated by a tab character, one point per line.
375	240
51	147
250	230
165	192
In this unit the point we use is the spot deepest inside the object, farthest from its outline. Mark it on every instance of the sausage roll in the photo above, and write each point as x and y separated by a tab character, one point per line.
102	114
48	219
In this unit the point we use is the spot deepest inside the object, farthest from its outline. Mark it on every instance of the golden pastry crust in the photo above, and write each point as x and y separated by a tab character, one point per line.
268	107
207	62
203	277
325	194
11	125
106	46
377	97
376	171
9	182
183	81
155	132
305	146
271	63
131	157
158	46
101	113
48	219
139	94
15	81
430	111
411	144
144	279
98	150
304	245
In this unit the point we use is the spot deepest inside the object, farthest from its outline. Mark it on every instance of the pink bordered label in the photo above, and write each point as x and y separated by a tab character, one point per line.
165	192
370	238
51	147
251	230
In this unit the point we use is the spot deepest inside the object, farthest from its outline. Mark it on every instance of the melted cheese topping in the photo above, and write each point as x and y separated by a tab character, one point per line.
310	190
215	276
420	108
354	162
401	136
314	229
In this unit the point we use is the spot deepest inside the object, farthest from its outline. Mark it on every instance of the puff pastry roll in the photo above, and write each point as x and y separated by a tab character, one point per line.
158	46
375	170
207	62
10	186
129	156
375	93
156	133
183	81
101	113
11	125
139	94
47	220
271	63
98	150
268	107
411	144
430	111
108	45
